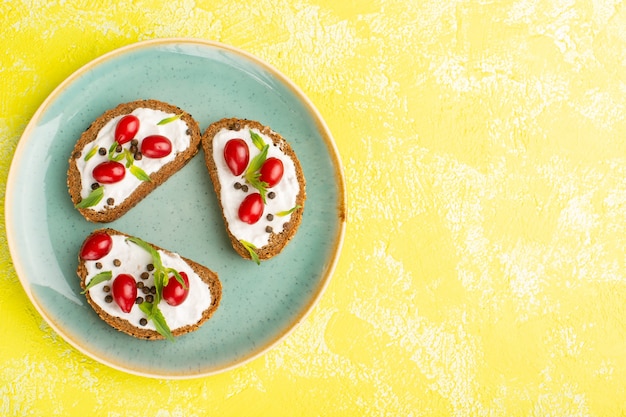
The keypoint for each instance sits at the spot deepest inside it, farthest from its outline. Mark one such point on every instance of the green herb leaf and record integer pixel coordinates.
(169, 119)
(288, 212)
(112, 148)
(92, 199)
(153, 313)
(139, 173)
(91, 153)
(129, 158)
(252, 173)
(101, 277)
(159, 271)
(251, 250)
(257, 140)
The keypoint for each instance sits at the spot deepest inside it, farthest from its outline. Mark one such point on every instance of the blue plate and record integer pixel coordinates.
(260, 304)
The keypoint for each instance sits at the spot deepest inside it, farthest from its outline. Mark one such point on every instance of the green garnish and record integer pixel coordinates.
(169, 119)
(253, 174)
(251, 250)
(101, 277)
(92, 199)
(288, 212)
(91, 153)
(129, 158)
(153, 313)
(161, 278)
(257, 140)
(139, 173)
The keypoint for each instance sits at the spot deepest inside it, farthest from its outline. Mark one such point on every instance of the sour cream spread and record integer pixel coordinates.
(133, 260)
(175, 131)
(284, 193)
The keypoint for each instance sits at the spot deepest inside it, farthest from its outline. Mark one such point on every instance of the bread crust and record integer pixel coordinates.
(277, 241)
(74, 181)
(209, 277)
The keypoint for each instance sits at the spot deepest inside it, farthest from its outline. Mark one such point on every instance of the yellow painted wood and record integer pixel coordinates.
(484, 266)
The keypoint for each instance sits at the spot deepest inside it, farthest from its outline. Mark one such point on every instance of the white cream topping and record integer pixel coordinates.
(134, 260)
(285, 191)
(175, 131)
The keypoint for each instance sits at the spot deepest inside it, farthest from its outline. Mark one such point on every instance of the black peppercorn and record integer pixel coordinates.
(102, 151)
(138, 300)
(106, 288)
(117, 262)
(244, 188)
(110, 201)
(149, 298)
(144, 275)
(137, 156)
(98, 265)
(150, 267)
(108, 299)
(269, 217)
(143, 321)
(271, 195)
(95, 185)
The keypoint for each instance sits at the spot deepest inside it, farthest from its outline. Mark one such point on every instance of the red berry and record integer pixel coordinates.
(236, 155)
(174, 293)
(126, 129)
(251, 208)
(271, 171)
(97, 246)
(156, 146)
(109, 172)
(124, 291)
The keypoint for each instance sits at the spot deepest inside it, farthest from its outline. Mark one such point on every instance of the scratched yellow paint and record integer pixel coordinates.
(484, 267)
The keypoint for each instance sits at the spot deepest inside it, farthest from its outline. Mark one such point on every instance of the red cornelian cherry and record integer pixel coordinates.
(251, 208)
(124, 291)
(97, 246)
(109, 172)
(271, 171)
(174, 293)
(237, 155)
(126, 129)
(156, 146)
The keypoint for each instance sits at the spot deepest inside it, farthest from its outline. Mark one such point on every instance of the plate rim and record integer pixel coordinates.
(333, 155)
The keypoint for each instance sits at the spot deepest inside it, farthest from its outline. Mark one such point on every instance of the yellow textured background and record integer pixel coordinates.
(484, 267)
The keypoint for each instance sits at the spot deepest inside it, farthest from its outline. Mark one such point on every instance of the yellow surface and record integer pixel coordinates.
(484, 266)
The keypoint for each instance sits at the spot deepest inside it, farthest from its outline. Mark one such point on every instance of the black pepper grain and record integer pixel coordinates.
(134, 142)
(110, 201)
(117, 262)
(150, 267)
(95, 185)
(237, 186)
(153, 290)
(118, 148)
(149, 298)
(140, 284)
(145, 290)
(137, 156)
(133, 149)
(108, 299)
(244, 188)
(102, 151)
(143, 321)
(144, 275)
(269, 217)
(269, 229)
(138, 300)
(271, 195)
(98, 265)
(106, 288)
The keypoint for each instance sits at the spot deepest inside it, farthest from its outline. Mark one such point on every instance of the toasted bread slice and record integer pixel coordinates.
(281, 212)
(95, 196)
(107, 254)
